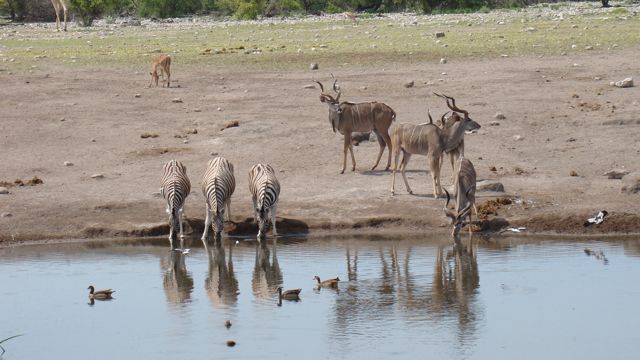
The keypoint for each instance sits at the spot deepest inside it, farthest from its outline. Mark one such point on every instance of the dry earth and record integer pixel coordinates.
(568, 117)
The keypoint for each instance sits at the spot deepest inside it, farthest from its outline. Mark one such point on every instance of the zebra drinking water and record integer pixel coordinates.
(264, 188)
(175, 189)
(218, 184)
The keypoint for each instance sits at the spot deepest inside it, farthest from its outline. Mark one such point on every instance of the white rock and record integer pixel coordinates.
(443, 61)
(518, 137)
(626, 83)
(176, 100)
(6, 214)
(313, 66)
(499, 116)
(97, 176)
(67, 163)
(4, 190)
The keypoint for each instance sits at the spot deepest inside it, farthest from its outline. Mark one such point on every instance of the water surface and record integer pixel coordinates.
(398, 298)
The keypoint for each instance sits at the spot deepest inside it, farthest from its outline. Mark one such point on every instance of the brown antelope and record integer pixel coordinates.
(465, 193)
(58, 6)
(447, 122)
(428, 139)
(348, 117)
(164, 63)
(350, 16)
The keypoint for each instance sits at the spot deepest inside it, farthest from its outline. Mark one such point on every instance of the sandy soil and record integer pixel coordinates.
(562, 107)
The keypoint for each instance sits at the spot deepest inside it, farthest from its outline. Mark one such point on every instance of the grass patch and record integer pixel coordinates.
(329, 41)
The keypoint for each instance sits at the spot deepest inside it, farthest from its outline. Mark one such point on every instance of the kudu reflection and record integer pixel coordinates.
(221, 283)
(267, 276)
(176, 280)
(455, 284)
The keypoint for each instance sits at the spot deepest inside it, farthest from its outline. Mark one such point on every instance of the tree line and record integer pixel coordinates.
(88, 10)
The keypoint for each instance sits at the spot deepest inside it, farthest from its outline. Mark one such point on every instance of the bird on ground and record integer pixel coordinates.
(598, 219)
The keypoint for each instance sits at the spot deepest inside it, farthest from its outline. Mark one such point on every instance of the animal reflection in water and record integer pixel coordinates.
(267, 276)
(177, 281)
(455, 284)
(221, 283)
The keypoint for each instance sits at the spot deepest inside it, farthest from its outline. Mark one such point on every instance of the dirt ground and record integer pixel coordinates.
(567, 116)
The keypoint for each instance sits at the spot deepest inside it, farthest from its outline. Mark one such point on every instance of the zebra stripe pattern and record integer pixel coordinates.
(218, 184)
(265, 189)
(175, 189)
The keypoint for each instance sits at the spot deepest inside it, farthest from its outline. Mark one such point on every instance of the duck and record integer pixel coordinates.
(327, 283)
(100, 294)
(289, 294)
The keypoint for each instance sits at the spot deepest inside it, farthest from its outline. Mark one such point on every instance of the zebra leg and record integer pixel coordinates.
(207, 223)
(255, 205)
(273, 219)
(405, 160)
(381, 142)
(229, 209)
(181, 220)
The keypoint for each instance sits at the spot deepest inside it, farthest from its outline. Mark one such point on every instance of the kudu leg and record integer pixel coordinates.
(353, 158)
(434, 165)
(382, 145)
(405, 160)
(387, 140)
(396, 155)
(347, 142)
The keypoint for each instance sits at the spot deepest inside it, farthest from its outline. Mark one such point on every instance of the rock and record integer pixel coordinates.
(6, 214)
(67, 163)
(628, 82)
(4, 190)
(231, 343)
(616, 173)
(499, 116)
(494, 123)
(631, 183)
(97, 176)
(588, 47)
(219, 109)
(230, 124)
(409, 84)
(443, 61)
(493, 168)
(309, 86)
(137, 95)
(488, 185)
(573, 173)
(192, 131)
(197, 110)
(148, 135)
(176, 100)
(518, 137)
(313, 66)
(439, 34)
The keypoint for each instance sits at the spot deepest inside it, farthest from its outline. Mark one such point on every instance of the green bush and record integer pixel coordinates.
(334, 9)
(282, 7)
(15, 9)
(168, 8)
(247, 11)
(88, 10)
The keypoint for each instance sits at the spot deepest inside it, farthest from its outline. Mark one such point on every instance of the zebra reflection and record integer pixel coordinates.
(221, 283)
(176, 280)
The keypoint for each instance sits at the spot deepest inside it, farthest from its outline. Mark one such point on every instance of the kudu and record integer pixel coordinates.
(348, 117)
(430, 140)
(465, 197)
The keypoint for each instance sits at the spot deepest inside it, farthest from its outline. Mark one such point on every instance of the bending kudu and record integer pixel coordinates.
(348, 117)
(428, 139)
(465, 194)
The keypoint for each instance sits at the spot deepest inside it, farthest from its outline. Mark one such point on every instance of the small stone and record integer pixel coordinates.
(616, 173)
(493, 168)
(192, 131)
(231, 343)
(176, 100)
(313, 66)
(443, 61)
(67, 163)
(518, 137)
(626, 83)
(6, 214)
(93, 140)
(230, 124)
(148, 135)
(409, 84)
(197, 110)
(588, 47)
(62, 119)
(488, 185)
(137, 95)
(499, 116)
(219, 109)
(97, 176)
(573, 173)
(309, 86)
(439, 34)
(4, 190)
(494, 123)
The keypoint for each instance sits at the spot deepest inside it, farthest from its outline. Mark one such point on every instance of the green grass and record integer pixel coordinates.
(329, 42)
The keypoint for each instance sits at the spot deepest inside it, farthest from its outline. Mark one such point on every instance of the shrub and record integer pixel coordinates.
(247, 11)
(88, 10)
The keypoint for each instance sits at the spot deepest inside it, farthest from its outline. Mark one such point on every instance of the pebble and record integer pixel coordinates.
(439, 34)
(313, 66)
(176, 100)
(518, 137)
(67, 163)
(97, 176)
(499, 116)
(231, 343)
(626, 83)
(6, 214)
(443, 61)
(4, 190)
(137, 95)
(409, 84)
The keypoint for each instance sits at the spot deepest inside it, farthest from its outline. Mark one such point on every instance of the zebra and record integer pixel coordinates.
(218, 184)
(175, 189)
(265, 189)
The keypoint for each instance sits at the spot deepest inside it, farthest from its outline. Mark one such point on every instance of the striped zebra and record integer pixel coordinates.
(218, 184)
(175, 189)
(264, 188)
